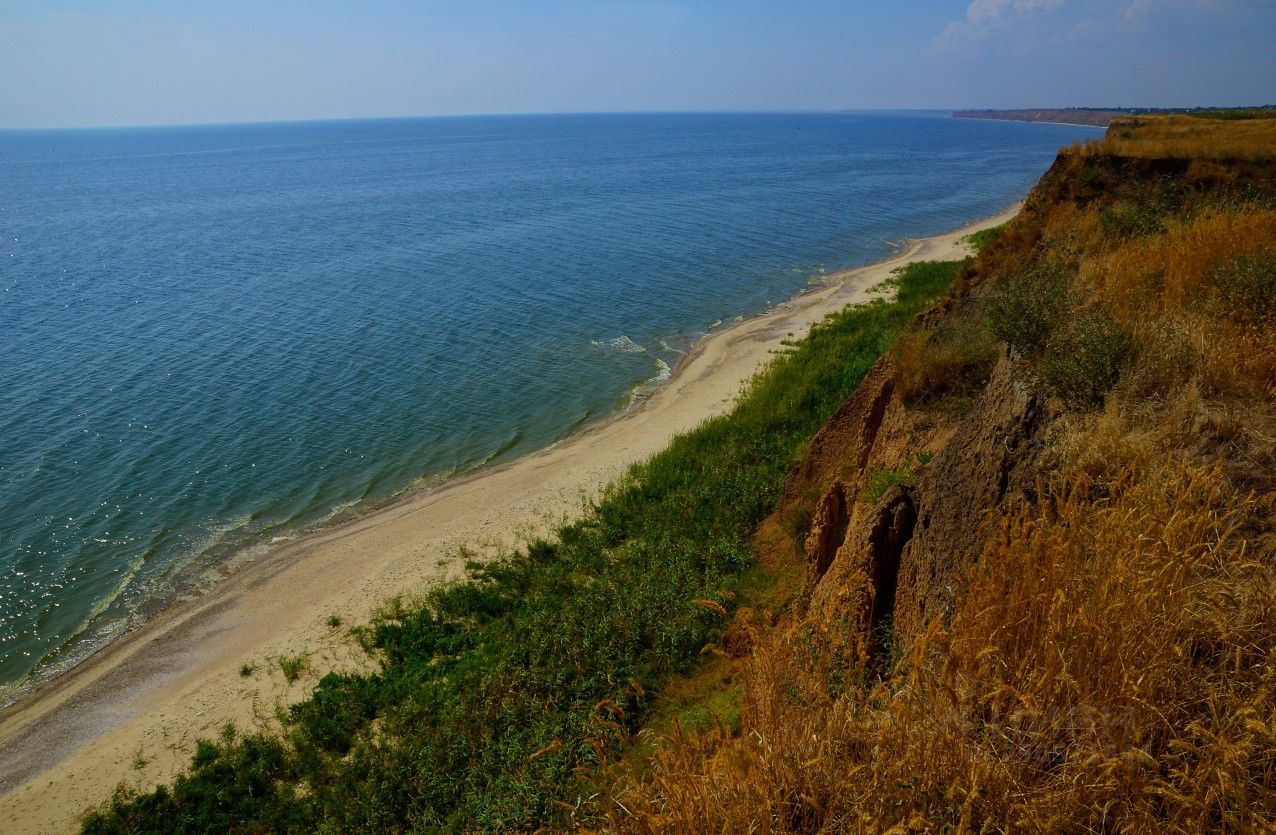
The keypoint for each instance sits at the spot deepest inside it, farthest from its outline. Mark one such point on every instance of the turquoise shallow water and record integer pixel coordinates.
(214, 337)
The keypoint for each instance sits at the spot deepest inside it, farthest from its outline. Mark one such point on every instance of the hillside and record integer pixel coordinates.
(996, 552)
(1039, 539)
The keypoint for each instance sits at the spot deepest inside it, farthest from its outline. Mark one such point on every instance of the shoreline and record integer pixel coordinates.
(1030, 122)
(132, 710)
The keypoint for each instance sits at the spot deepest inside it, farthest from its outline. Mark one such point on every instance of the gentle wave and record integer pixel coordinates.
(217, 339)
(620, 343)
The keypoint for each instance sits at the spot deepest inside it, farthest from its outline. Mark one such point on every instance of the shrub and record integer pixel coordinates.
(985, 238)
(1245, 287)
(1021, 310)
(1128, 220)
(230, 783)
(293, 666)
(954, 359)
(1085, 358)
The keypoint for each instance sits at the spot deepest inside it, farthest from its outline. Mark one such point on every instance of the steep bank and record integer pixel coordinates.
(1040, 538)
(144, 701)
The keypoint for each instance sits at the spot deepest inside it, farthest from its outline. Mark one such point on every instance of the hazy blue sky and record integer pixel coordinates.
(112, 62)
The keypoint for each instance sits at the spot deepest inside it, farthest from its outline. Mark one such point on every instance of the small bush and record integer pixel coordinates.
(1245, 287)
(331, 719)
(955, 359)
(879, 481)
(246, 669)
(229, 783)
(1085, 358)
(293, 666)
(1131, 220)
(1165, 358)
(1021, 310)
(800, 524)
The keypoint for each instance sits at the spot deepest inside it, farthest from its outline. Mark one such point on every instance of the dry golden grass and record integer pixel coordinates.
(1169, 270)
(1163, 289)
(1109, 667)
(1154, 137)
(1109, 664)
(950, 361)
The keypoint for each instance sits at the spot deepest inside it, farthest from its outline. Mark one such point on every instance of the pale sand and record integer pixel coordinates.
(151, 694)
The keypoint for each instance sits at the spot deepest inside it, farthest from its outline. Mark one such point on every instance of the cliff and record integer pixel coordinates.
(1096, 117)
(1101, 117)
(1040, 537)
(996, 554)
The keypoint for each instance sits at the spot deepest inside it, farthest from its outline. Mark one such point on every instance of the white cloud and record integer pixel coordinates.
(988, 17)
(991, 11)
(1028, 21)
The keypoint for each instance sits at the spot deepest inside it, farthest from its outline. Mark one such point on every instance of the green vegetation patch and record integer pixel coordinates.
(1244, 288)
(985, 238)
(1085, 358)
(496, 693)
(1021, 309)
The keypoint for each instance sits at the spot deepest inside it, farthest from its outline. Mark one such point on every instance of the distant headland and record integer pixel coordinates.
(1100, 116)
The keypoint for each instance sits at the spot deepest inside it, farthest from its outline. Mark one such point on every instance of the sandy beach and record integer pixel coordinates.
(133, 711)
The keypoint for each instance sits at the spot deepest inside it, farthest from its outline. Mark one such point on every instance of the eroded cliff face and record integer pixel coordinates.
(899, 495)
(1039, 541)
(892, 559)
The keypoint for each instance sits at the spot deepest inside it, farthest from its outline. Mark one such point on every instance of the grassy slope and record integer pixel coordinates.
(495, 693)
(1109, 665)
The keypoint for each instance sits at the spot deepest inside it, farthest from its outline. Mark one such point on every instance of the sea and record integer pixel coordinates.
(215, 338)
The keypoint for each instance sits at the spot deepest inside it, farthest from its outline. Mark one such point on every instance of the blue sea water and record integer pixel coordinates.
(214, 337)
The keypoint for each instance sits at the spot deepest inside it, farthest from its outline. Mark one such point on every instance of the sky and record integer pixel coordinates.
(131, 62)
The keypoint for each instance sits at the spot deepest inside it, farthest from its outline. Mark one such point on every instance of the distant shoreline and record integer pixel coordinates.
(1075, 118)
(1101, 117)
(1032, 122)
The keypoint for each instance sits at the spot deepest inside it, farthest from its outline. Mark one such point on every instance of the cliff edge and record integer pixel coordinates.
(1040, 537)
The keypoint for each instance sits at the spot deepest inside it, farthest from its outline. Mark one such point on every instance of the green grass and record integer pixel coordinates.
(879, 481)
(1021, 309)
(985, 238)
(1084, 358)
(562, 643)
(717, 707)
(293, 666)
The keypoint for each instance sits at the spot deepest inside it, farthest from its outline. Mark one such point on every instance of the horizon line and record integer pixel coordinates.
(634, 112)
(476, 115)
